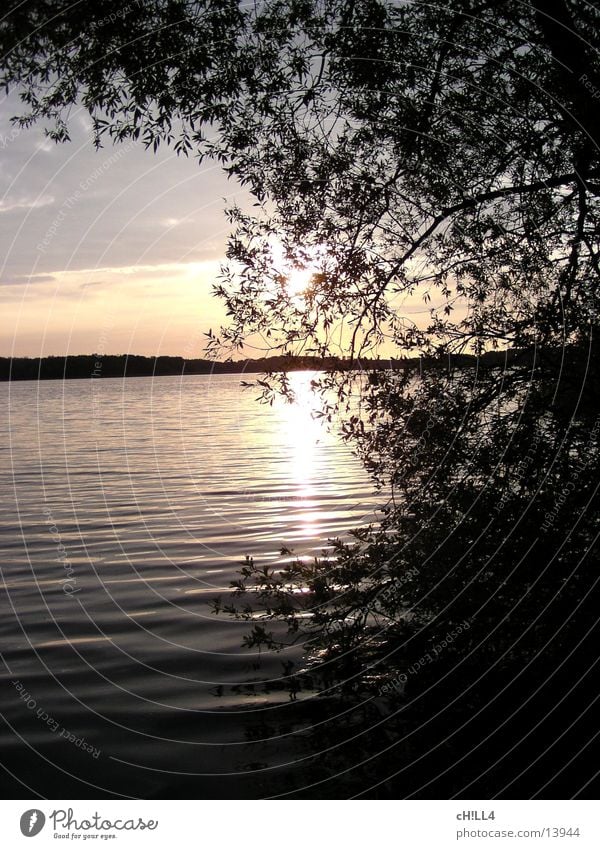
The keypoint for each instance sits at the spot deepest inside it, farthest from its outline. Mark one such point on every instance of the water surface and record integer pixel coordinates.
(126, 506)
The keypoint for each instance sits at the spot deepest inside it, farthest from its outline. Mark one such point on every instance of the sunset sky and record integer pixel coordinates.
(112, 250)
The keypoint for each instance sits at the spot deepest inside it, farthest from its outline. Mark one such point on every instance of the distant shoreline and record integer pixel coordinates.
(96, 366)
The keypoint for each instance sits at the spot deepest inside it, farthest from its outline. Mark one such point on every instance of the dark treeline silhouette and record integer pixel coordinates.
(82, 366)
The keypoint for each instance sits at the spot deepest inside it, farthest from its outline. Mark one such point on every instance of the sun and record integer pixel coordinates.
(296, 276)
(298, 280)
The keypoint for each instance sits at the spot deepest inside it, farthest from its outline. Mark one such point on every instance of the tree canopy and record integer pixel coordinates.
(445, 154)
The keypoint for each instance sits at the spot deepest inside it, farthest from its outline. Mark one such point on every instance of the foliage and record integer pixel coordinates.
(404, 151)
(492, 515)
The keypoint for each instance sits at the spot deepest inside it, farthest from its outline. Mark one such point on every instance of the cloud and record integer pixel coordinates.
(150, 309)
(10, 204)
(27, 278)
(92, 285)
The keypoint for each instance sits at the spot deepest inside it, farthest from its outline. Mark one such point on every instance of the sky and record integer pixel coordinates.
(110, 251)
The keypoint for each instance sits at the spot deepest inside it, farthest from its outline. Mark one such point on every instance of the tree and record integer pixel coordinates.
(403, 150)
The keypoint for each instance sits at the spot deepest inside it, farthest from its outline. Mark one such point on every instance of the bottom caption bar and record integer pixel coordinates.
(296, 824)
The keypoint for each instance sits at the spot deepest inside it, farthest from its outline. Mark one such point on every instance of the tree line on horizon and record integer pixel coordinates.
(93, 366)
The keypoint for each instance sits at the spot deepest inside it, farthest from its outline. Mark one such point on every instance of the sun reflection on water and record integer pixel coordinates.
(304, 436)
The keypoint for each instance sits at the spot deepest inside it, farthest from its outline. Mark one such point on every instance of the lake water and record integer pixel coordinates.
(126, 506)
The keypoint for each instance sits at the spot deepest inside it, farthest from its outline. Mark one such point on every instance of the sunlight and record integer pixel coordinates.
(298, 277)
(298, 280)
(302, 430)
(303, 434)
